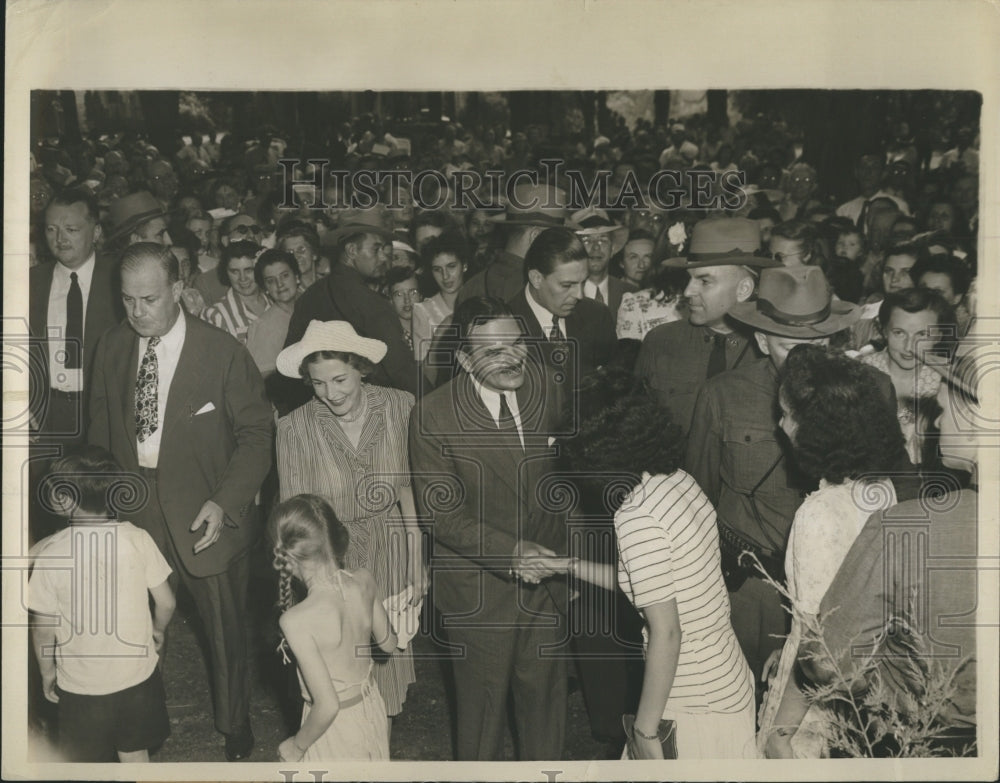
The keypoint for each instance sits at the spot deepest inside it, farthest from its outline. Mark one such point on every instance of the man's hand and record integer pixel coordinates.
(213, 517)
(529, 564)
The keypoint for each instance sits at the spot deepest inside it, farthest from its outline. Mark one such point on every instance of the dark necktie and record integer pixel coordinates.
(74, 324)
(146, 413)
(554, 334)
(717, 359)
(599, 297)
(863, 216)
(506, 423)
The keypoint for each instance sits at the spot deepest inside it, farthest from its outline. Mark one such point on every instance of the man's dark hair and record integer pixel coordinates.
(915, 300)
(274, 256)
(945, 264)
(476, 311)
(845, 426)
(88, 475)
(67, 197)
(135, 255)
(903, 249)
(553, 246)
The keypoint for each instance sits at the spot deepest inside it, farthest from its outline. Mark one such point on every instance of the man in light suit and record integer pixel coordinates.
(181, 404)
(483, 438)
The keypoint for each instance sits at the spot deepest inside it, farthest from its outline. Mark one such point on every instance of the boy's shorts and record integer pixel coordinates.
(95, 728)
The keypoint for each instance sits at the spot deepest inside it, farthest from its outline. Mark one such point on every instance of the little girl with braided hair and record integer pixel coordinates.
(330, 633)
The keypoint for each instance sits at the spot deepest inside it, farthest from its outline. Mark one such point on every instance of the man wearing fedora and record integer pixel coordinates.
(182, 405)
(363, 247)
(532, 209)
(137, 217)
(603, 238)
(678, 357)
(735, 454)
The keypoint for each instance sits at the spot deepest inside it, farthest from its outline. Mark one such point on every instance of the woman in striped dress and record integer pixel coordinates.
(349, 445)
(669, 568)
(244, 302)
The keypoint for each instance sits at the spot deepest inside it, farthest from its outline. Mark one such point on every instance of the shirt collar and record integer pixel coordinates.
(543, 316)
(173, 339)
(491, 399)
(84, 273)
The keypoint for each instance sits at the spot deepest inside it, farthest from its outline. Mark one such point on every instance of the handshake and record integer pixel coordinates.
(533, 563)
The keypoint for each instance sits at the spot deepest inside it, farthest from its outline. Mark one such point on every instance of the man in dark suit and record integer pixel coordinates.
(573, 335)
(71, 303)
(181, 404)
(480, 445)
(364, 249)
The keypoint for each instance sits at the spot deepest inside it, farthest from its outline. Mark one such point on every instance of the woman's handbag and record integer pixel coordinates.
(666, 733)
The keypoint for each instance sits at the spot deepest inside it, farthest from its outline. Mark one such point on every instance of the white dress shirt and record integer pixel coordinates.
(590, 290)
(491, 399)
(168, 352)
(544, 316)
(59, 377)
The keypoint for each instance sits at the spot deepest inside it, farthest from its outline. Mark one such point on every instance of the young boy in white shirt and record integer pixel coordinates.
(96, 641)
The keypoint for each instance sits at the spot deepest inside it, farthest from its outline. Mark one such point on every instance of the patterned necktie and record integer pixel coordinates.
(554, 334)
(599, 297)
(74, 324)
(717, 359)
(146, 384)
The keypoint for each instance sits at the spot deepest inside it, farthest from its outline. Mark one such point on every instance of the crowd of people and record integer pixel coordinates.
(738, 400)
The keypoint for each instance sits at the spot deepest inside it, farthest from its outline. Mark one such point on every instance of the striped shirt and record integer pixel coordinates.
(669, 549)
(231, 315)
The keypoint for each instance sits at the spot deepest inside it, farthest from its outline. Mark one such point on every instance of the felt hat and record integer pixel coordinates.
(593, 222)
(796, 302)
(328, 336)
(723, 242)
(357, 221)
(536, 205)
(129, 212)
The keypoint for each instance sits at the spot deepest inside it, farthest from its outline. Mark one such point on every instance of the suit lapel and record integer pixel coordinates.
(186, 377)
(127, 378)
(473, 417)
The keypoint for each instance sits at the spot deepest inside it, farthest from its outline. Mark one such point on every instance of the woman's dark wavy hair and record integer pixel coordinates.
(622, 429)
(846, 426)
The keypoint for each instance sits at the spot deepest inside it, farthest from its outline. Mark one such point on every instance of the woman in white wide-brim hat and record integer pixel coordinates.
(349, 444)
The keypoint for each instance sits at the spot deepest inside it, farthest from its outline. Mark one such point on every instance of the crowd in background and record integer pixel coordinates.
(706, 307)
